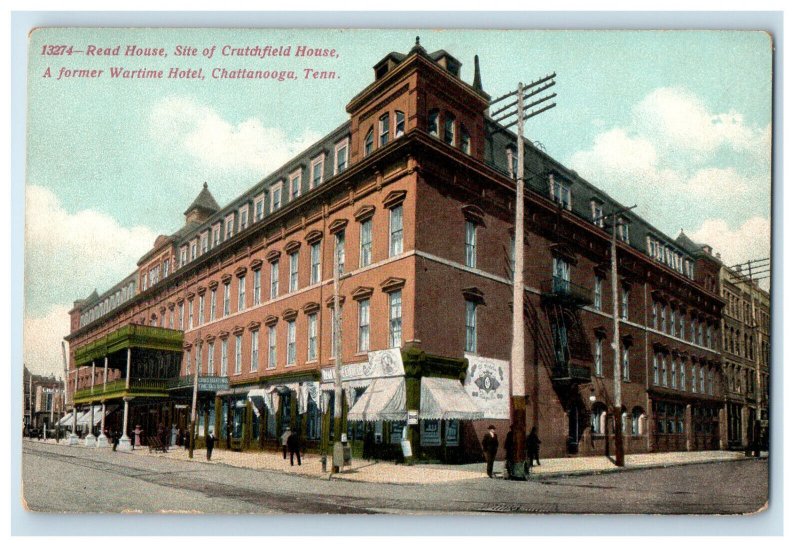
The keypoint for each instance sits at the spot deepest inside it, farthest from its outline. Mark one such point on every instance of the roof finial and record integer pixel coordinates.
(476, 81)
(205, 185)
(417, 41)
(417, 48)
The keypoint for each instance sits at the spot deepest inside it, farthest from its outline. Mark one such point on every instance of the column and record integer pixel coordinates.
(124, 440)
(73, 437)
(91, 440)
(102, 440)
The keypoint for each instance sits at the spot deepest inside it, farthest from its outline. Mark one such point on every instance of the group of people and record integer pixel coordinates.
(490, 444)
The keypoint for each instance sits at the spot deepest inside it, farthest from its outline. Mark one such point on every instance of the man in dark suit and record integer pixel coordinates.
(489, 445)
(293, 444)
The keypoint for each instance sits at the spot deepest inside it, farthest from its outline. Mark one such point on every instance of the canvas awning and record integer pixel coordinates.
(66, 420)
(446, 399)
(384, 399)
(258, 397)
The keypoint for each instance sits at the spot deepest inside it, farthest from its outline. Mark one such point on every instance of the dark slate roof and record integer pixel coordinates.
(204, 201)
(684, 241)
(539, 165)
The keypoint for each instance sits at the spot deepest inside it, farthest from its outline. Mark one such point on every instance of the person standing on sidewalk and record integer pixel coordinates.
(293, 443)
(489, 445)
(210, 441)
(284, 439)
(532, 445)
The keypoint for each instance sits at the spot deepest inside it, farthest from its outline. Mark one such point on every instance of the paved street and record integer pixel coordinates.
(59, 478)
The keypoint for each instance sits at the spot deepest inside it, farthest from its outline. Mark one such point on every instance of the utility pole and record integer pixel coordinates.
(518, 411)
(338, 449)
(194, 396)
(619, 448)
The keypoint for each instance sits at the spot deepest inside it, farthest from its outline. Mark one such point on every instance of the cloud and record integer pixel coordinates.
(69, 254)
(185, 126)
(749, 241)
(42, 337)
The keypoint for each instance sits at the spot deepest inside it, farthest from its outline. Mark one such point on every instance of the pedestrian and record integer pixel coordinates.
(508, 445)
(293, 444)
(284, 438)
(210, 441)
(489, 445)
(115, 441)
(532, 446)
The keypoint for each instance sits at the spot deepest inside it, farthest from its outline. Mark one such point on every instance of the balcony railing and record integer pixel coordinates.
(566, 291)
(141, 386)
(571, 373)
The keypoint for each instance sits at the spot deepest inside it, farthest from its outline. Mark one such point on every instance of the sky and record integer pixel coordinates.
(676, 122)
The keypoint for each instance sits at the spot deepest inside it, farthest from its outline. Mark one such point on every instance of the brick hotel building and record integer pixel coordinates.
(412, 197)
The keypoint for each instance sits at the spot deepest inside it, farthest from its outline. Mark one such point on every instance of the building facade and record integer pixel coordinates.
(43, 397)
(412, 199)
(745, 358)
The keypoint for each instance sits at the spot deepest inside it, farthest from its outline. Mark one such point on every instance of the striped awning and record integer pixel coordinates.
(446, 399)
(384, 399)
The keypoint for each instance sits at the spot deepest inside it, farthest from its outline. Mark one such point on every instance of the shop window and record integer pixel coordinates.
(598, 419)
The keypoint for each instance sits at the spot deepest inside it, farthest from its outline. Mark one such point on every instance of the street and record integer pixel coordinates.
(59, 478)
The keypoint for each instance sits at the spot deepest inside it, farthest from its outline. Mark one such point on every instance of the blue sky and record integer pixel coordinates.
(676, 122)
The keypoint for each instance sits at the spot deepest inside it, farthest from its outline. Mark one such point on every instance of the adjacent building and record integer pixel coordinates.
(43, 397)
(412, 198)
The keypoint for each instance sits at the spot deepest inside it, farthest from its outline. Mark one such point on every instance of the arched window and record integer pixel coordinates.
(598, 419)
(383, 130)
(369, 142)
(637, 421)
(433, 122)
(450, 129)
(399, 124)
(465, 143)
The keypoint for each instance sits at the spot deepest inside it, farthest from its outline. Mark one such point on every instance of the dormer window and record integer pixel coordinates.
(433, 122)
(193, 248)
(465, 143)
(383, 130)
(341, 152)
(369, 142)
(229, 226)
(317, 171)
(275, 196)
(258, 208)
(560, 192)
(399, 124)
(217, 234)
(243, 217)
(597, 213)
(294, 184)
(204, 242)
(450, 129)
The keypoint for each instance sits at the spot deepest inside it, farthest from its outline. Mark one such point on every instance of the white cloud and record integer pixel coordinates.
(197, 130)
(69, 254)
(42, 337)
(748, 241)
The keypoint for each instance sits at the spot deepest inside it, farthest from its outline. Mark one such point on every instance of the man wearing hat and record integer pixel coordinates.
(489, 445)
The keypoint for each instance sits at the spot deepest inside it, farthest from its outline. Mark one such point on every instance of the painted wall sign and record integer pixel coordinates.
(380, 364)
(487, 382)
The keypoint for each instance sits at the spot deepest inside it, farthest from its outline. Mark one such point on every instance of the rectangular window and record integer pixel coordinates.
(664, 381)
(315, 264)
(674, 375)
(395, 319)
(229, 226)
(312, 337)
(258, 208)
(241, 301)
(253, 351)
(217, 234)
(201, 309)
(193, 252)
(226, 300)
(512, 250)
(396, 230)
(399, 124)
(180, 316)
(623, 233)
(470, 251)
(210, 360)
(275, 196)
(664, 318)
(449, 129)
(223, 357)
(561, 193)
(204, 242)
(672, 322)
(273, 279)
(597, 213)
(598, 292)
(339, 250)
(294, 184)
(272, 358)
(198, 359)
(363, 325)
(291, 343)
(702, 380)
(341, 152)
(471, 345)
(655, 370)
(683, 376)
(626, 364)
(598, 356)
(213, 311)
(172, 318)
(165, 268)
(243, 217)
(256, 287)
(237, 361)
(317, 171)
(383, 130)
(366, 243)
(682, 323)
(625, 299)
(293, 261)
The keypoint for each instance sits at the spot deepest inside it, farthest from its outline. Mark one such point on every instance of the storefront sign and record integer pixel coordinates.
(451, 433)
(487, 382)
(212, 383)
(396, 434)
(381, 364)
(431, 434)
(413, 417)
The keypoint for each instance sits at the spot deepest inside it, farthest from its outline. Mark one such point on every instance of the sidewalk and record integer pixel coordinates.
(390, 473)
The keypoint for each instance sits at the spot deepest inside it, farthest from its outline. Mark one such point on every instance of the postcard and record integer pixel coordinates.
(397, 271)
